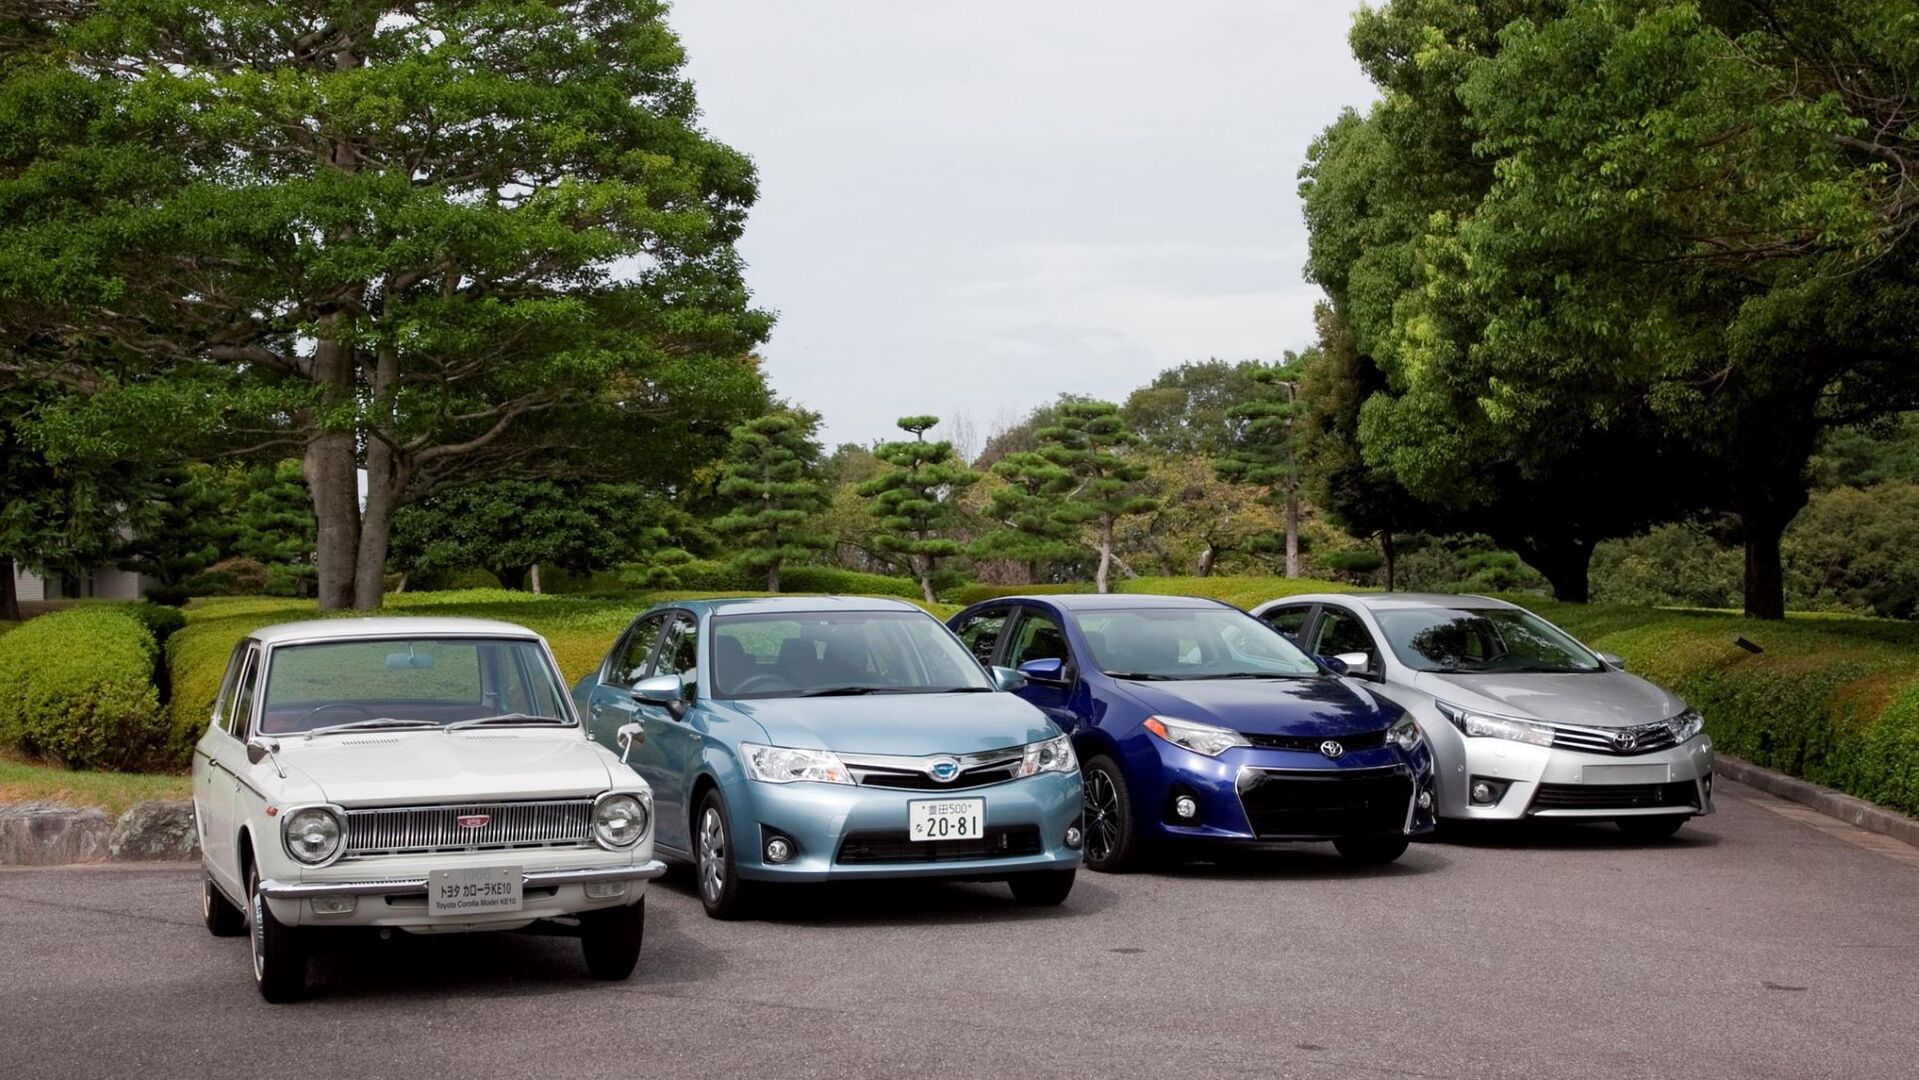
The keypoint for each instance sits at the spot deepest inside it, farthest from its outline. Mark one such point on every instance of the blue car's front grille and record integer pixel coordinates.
(895, 846)
(916, 781)
(1368, 740)
(1325, 804)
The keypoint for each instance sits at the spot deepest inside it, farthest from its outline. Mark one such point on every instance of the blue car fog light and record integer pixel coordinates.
(1074, 837)
(778, 850)
(1185, 807)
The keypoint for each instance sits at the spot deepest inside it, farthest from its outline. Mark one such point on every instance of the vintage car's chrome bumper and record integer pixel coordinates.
(307, 890)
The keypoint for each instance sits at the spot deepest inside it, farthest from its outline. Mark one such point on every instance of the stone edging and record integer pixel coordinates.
(1833, 804)
(38, 834)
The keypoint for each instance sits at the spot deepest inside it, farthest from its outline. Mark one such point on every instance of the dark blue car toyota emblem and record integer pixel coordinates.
(1332, 748)
(943, 770)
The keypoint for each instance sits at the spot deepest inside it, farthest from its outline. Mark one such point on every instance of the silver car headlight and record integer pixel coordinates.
(1195, 736)
(313, 835)
(1403, 734)
(621, 818)
(1486, 726)
(1051, 755)
(1686, 725)
(786, 765)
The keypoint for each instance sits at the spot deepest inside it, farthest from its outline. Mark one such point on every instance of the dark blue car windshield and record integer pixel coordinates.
(1189, 643)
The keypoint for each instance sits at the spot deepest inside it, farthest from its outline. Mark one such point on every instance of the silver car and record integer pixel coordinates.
(1523, 720)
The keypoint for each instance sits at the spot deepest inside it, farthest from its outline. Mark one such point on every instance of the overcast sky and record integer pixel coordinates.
(969, 206)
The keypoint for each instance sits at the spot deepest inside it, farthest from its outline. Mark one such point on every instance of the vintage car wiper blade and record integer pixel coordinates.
(511, 718)
(376, 723)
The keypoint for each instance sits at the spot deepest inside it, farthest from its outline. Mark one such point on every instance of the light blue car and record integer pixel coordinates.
(810, 739)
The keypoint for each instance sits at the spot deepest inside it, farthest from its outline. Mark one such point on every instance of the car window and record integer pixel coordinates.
(1341, 632)
(635, 652)
(679, 652)
(1038, 638)
(223, 705)
(244, 694)
(981, 630)
(1288, 620)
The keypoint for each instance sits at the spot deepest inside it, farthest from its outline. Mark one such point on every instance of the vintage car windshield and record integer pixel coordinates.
(1482, 641)
(425, 681)
(1190, 643)
(854, 652)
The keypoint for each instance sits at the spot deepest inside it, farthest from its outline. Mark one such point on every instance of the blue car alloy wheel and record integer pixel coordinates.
(1199, 727)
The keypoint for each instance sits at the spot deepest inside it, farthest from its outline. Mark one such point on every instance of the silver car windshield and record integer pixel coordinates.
(1190, 643)
(1482, 641)
(398, 683)
(839, 653)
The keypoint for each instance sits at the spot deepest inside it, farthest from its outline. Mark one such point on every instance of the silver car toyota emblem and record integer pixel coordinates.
(1624, 740)
(1332, 748)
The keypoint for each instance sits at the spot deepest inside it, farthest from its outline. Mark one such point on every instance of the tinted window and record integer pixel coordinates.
(628, 664)
(855, 652)
(1341, 632)
(1189, 643)
(1040, 638)
(1506, 640)
(981, 630)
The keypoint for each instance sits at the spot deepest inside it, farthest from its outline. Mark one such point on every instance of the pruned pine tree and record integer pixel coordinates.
(772, 481)
(1092, 442)
(914, 499)
(1264, 446)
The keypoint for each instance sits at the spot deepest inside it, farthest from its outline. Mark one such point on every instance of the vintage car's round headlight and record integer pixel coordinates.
(313, 835)
(619, 821)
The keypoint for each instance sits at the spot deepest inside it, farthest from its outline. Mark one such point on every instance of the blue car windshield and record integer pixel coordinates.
(1190, 643)
(820, 654)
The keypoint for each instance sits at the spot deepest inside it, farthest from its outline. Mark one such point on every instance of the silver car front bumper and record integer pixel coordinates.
(1555, 782)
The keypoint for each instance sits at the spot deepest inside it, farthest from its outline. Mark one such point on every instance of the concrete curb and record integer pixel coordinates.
(39, 834)
(1833, 804)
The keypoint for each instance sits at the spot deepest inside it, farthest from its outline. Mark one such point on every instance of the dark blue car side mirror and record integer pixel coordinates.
(1337, 665)
(1052, 669)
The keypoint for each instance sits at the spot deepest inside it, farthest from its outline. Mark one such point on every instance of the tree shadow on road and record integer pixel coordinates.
(1562, 835)
(901, 901)
(1297, 862)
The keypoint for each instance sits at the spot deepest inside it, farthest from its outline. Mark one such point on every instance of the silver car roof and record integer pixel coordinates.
(1390, 601)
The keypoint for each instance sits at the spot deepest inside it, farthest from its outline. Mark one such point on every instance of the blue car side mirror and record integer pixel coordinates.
(1005, 678)
(1337, 665)
(1051, 669)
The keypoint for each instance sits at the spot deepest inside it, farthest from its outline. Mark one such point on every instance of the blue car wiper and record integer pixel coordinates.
(1265, 675)
(1145, 676)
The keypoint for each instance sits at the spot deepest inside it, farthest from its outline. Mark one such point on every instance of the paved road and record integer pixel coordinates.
(1764, 941)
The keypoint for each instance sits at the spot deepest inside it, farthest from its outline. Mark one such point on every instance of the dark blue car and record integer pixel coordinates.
(1196, 723)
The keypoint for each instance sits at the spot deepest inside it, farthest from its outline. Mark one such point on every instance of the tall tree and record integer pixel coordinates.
(1188, 409)
(1024, 504)
(418, 241)
(914, 499)
(1263, 444)
(1092, 442)
(773, 482)
(508, 527)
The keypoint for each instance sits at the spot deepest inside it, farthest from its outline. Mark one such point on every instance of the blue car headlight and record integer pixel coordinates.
(1050, 755)
(1195, 736)
(1686, 725)
(787, 765)
(1404, 734)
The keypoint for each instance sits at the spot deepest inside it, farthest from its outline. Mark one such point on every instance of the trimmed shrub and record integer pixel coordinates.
(77, 688)
(831, 579)
(160, 620)
(973, 594)
(232, 577)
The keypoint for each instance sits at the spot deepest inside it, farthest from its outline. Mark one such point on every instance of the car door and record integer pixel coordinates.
(1037, 635)
(674, 737)
(212, 794)
(611, 703)
(1339, 631)
(229, 796)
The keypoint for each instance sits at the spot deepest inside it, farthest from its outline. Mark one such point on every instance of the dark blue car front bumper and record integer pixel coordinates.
(1257, 795)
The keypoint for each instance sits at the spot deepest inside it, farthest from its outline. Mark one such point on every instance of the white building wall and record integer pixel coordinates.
(28, 586)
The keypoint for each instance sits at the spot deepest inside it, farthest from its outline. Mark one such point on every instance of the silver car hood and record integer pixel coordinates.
(1593, 699)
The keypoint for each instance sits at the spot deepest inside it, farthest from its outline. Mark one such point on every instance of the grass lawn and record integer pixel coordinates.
(21, 782)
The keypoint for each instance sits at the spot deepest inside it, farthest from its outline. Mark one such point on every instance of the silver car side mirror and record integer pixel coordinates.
(1357, 663)
(1612, 660)
(629, 736)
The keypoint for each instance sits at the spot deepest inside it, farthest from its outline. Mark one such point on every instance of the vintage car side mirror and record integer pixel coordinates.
(1052, 670)
(258, 751)
(629, 736)
(1005, 678)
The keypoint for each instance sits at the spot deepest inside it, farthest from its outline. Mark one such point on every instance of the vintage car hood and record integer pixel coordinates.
(906, 724)
(1310, 707)
(1592, 699)
(412, 767)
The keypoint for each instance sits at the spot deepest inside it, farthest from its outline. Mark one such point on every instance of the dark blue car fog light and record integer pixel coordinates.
(1185, 808)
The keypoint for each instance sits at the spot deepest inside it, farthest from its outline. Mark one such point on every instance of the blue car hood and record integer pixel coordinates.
(910, 724)
(1312, 707)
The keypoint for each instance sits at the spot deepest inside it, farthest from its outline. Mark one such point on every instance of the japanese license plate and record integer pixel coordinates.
(479, 891)
(946, 819)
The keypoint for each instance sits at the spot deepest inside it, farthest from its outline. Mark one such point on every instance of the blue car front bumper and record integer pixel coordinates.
(1253, 795)
(844, 832)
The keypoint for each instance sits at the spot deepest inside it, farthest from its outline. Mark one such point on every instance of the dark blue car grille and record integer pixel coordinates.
(1366, 740)
(895, 846)
(1324, 805)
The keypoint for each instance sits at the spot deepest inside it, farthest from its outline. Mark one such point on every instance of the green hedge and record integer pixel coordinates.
(78, 688)
(973, 594)
(828, 579)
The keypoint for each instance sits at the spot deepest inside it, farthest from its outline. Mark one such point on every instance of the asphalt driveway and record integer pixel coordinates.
(1764, 941)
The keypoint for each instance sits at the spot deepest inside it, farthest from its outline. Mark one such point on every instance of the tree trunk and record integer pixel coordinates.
(1765, 572)
(1389, 555)
(1292, 529)
(9, 598)
(332, 476)
(511, 577)
(773, 576)
(1208, 555)
(923, 565)
(386, 479)
(533, 578)
(1101, 579)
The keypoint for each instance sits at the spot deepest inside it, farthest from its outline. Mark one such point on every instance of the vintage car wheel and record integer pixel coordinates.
(1112, 844)
(722, 892)
(1650, 828)
(1041, 888)
(610, 940)
(279, 955)
(1371, 850)
(221, 917)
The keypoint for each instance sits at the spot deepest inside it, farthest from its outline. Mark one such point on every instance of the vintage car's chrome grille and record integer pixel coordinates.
(421, 829)
(1640, 739)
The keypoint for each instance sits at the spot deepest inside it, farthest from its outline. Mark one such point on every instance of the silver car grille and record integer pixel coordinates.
(1639, 739)
(415, 830)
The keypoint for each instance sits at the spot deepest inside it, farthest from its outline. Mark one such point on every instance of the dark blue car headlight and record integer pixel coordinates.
(1404, 734)
(1195, 736)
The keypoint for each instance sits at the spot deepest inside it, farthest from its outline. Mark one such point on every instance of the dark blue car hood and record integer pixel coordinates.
(1316, 707)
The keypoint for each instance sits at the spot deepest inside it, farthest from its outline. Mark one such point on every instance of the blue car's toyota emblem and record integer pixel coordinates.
(1332, 748)
(943, 770)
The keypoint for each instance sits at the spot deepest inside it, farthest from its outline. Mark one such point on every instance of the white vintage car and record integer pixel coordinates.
(425, 774)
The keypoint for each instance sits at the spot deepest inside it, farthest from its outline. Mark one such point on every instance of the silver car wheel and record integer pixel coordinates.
(712, 855)
(1102, 815)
